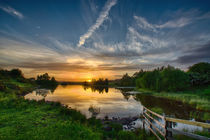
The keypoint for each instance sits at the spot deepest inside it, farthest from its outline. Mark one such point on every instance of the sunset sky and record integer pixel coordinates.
(77, 40)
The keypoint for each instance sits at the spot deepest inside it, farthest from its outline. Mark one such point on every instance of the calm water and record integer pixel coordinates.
(113, 102)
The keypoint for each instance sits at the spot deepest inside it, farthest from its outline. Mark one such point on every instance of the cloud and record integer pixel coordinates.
(143, 23)
(182, 19)
(103, 15)
(177, 23)
(12, 11)
(77, 67)
(149, 43)
(198, 54)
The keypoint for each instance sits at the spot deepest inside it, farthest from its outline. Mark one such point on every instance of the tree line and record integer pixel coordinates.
(44, 80)
(99, 82)
(169, 78)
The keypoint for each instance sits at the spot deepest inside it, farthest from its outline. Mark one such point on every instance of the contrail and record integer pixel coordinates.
(12, 11)
(103, 15)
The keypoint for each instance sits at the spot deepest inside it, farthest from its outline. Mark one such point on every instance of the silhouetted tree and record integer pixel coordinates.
(15, 73)
(45, 81)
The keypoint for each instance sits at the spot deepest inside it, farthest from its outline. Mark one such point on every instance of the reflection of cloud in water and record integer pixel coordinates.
(111, 103)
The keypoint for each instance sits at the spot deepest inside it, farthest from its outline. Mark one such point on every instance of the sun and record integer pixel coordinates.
(89, 80)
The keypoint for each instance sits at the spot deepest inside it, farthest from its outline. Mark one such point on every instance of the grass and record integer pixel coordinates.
(200, 98)
(157, 110)
(37, 120)
(22, 119)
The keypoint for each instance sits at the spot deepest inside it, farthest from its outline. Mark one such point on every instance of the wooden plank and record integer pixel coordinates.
(155, 120)
(154, 133)
(154, 126)
(188, 134)
(154, 113)
(204, 125)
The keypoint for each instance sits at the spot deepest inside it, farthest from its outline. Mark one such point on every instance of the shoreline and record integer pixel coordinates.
(201, 103)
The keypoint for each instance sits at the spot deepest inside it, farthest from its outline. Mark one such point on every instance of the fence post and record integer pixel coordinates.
(168, 134)
(143, 122)
(143, 118)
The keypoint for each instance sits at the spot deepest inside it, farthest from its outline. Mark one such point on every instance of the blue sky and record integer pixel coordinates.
(84, 39)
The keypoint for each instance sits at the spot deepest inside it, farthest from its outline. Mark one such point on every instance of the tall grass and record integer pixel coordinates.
(199, 98)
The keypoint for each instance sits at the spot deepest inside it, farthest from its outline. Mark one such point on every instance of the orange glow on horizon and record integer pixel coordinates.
(89, 80)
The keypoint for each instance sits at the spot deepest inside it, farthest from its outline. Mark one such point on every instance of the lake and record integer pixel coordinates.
(114, 102)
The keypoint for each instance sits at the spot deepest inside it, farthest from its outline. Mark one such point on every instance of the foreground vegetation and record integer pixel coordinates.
(28, 119)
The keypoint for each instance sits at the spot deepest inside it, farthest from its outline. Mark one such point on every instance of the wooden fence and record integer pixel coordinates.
(164, 129)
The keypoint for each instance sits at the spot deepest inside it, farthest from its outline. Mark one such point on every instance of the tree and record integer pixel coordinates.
(174, 79)
(164, 79)
(126, 80)
(201, 68)
(199, 74)
(15, 73)
(46, 81)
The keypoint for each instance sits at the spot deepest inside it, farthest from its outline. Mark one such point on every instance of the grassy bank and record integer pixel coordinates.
(24, 119)
(28, 119)
(200, 98)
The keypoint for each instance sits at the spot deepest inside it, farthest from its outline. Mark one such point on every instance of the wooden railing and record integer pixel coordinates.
(164, 130)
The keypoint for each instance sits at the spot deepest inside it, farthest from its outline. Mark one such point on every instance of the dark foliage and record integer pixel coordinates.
(127, 81)
(200, 74)
(16, 73)
(46, 81)
(201, 68)
(169, 78)
(164, 79)
(100, 81)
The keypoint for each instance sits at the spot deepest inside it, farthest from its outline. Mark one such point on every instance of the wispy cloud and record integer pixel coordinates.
(103, 15)
(12, 11)
(184, 19)
(143, 23)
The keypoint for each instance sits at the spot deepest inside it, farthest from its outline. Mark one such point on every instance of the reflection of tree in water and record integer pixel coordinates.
(171, 108)
(44, 92)
(100, 89)
(124, 92)
(94, 110)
